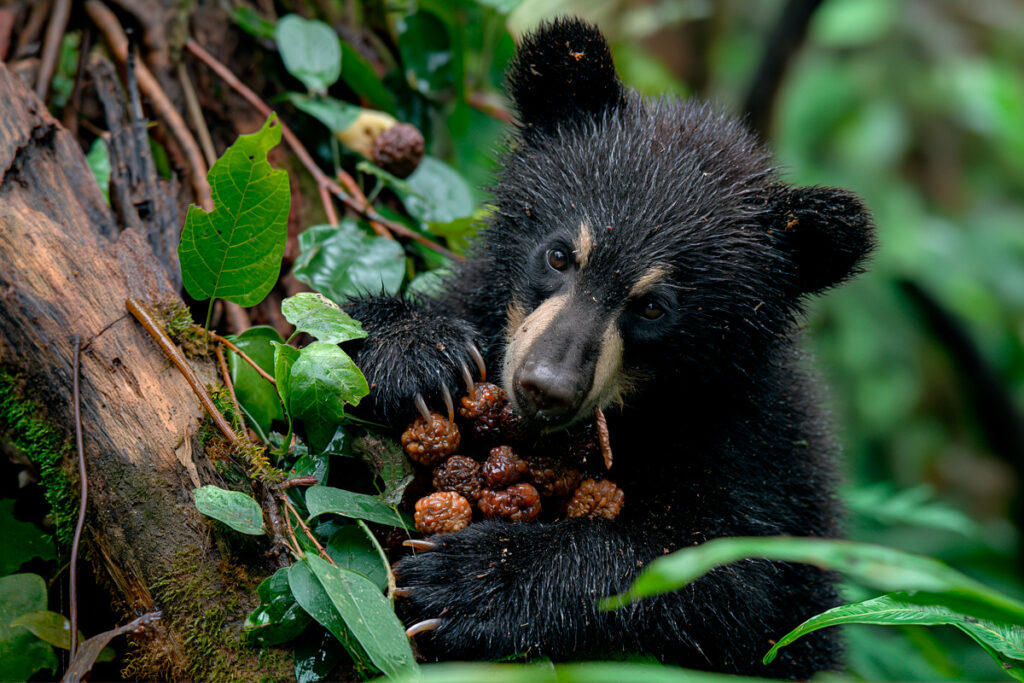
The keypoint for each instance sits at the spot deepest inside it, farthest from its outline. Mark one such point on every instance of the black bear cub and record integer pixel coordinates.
(644, 257)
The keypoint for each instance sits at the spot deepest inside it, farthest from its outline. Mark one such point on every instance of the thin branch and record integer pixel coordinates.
(195, 113)
(273, 513)
(294, 545)
(83, 495)
(111, 29)
(141, 314)
(51, 47)
(298, 481)
(304, 157)
(305, 529)
(489, 105)
(227, 381)
(241, 354)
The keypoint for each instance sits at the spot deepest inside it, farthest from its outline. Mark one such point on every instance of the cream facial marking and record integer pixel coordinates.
(521, 336)
(608, 381)
(647, 281)
(582, 245)
(515, 316)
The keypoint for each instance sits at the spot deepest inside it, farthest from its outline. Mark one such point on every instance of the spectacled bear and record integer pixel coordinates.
(643, 256)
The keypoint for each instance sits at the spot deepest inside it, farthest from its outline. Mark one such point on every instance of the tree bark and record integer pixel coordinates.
(66, 268)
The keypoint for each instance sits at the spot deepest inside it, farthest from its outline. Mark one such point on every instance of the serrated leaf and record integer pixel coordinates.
(368, 615)
(21, 652)
(437, 193)
(327, 499)
(342, 261)
(309, 50)
(279, 618)
(257, 396)
(351, 549)
(321, 318)
(22, 540)
(338, 116)
(234, 252)
(884, 568)
(313, 598)
(322, 381)
(237, 510)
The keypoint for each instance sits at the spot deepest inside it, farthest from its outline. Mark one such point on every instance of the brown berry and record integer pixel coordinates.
(482, 408)
(512, 428)
(429, 443)
(442, 513)
(503, 468)
(460, 474)
(552, 477)
(596, 498)
(398, 150)
(517, 503)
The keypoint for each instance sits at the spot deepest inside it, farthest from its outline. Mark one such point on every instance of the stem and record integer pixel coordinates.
(383, 558)
(241, 354)
(227, 383)
(83, 497)
(305, 529)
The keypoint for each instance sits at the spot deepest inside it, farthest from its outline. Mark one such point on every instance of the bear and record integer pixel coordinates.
(642, 256)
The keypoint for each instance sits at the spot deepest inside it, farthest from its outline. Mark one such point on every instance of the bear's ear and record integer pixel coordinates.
(563, 72)
(826, 232)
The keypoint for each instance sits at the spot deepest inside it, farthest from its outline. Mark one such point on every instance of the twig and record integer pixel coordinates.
(195, 113)
(51, 47)
(273, 513)
(322, 179)
(108, 24)
(357, 193)
(83, 496)
(227, 381)
(603, 437)
(241, 354)
(298, 481)
(74, 106)
(141, 314)
(294, 545)
(30, 30)
(490, 106)
(305, 529)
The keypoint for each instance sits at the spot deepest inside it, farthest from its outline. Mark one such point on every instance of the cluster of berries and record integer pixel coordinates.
(502, 484)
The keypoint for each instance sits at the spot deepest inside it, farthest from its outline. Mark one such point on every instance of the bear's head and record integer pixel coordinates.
(646, 241)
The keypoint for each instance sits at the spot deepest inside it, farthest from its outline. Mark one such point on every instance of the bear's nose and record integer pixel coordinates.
(546, 392)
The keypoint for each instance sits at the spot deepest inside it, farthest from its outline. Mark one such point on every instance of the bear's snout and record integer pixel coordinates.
(547, 393)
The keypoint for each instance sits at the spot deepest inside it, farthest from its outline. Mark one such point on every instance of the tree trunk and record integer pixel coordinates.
(66, 269)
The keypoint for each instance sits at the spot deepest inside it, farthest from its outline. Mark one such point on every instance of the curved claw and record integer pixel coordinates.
(467, 376)
(421, 406)
(448, 402)
(478, 358)
(421, 626)
(419, 544)
(402, 592)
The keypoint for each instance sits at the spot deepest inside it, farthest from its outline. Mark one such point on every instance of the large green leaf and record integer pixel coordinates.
(279, 618)
(55, 629)
(320, 318)
(437, 193)
(309, 50)
(427, 58)
(234, 252)
(21, 652)
(257, 397)
(237, 510)
(342, 261)
(351, 549)
(22, 540)
(338, 116)
(581, 672)
(893, 610)
(368, 615)
(322, 381)
(884, 568)
(324, 499)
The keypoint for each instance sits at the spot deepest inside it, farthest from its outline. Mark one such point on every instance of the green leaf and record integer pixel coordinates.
(582, 672)
(351, 549)
(437, 193)
(284, 357)
(503, 6)
(368, 615)
(252, 22)
(425, 46)
(326, 499)
(310, 594)
(338, 116)
(316, 656)
(914, 506)
(386, 459)
(359, 75)
(344, 261)
(55, 629)
(319, 317)
(98, 159)
(311, 465)
(429, 284)
(257, 396)
(279, 618)
(237, 510)
(309, 50)
(322, 380)
(234, 252)
(22, 540)
(879, 567)
(21, 652)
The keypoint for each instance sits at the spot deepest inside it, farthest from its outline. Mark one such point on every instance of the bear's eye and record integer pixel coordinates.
(651, 311)
(558, 259)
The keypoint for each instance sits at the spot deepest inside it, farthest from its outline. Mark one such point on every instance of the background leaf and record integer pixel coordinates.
(338, 116)
(234, 252)
(22, 540)
(323, 499)
(237, 510)
(257, 397)
(279, 618)
(351, 549)
(309, 50)
(21, 652)
(323, 379)
(321, 318)
(437, 193)
(344, 261)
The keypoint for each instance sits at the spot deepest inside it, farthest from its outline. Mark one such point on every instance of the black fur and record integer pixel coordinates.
(722, 434)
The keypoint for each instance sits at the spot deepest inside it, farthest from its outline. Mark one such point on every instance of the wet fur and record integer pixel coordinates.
(721, 432)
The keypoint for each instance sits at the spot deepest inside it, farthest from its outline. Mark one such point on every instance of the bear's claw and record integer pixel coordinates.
(421, 626)
(478, 358)
(420, 544)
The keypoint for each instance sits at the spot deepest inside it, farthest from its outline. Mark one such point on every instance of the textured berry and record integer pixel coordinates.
(517, 503)
(398, 150)
(461, 475)
(442, 513)
(482, 408)
(596, 498)
(512, 428)
(552, 477)
(504, 468)
(429, 443)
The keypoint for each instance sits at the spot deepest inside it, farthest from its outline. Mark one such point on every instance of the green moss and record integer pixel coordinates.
(21, 422)
(173, 315)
